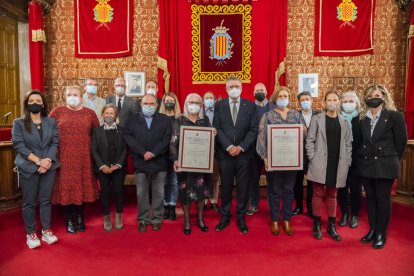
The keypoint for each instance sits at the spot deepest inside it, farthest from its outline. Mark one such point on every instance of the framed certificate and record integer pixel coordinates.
(196, 146)
(285, 147)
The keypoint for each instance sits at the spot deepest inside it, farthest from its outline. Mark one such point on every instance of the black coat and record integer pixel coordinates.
(156, 140)
(379, 156)
(100, 152)
(243, 134)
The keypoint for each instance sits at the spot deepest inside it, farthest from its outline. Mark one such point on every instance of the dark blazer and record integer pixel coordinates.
(156, 139)
(243, 134)
(25, 143)
(129, 108)
(379, 156)
(100, 152)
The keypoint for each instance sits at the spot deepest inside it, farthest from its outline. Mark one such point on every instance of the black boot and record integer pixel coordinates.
(344, 220)
(316, 231)
(80, 222)
(166, 211)
(353, 222)
(379, 241)
(187, 226)
(369, 238)
(173, 215)
(200, 216)
(70, 223)
(332, 229)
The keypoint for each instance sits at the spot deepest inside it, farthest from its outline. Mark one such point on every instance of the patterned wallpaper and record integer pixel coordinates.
(386, 66)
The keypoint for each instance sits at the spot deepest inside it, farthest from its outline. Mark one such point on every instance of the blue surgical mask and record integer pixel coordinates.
(148, 110)
(209, 103)
(349, 107)
(306, 105)
(282, 103)
(91, 89)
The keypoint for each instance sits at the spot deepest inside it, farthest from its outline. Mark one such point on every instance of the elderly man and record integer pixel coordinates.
(151, 88)
(263, 105)
(236, 122)
(125, 105)
(148, 136)
(90, 100)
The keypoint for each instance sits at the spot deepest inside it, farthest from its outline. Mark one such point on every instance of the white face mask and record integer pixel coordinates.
(152, 91)
(119, 90)
(72, 101)
(332, 106)
(193, 108)
(234, 93)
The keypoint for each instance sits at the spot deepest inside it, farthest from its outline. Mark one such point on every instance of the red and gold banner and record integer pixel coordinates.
(409, 93)
(344, 27)
(36, 39)
(103, 28)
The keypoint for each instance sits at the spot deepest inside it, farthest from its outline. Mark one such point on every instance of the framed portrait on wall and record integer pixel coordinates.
(135, 83)
(309, 82)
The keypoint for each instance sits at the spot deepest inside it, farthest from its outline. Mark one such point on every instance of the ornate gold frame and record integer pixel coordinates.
(199, 77)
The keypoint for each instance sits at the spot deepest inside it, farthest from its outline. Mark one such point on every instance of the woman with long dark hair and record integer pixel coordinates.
(35, 139)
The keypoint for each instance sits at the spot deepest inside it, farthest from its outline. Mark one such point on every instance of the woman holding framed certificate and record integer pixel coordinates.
(281, 182)
(192, 186)
(328, 146)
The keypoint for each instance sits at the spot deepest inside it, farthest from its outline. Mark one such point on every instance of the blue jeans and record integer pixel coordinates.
(171, 186)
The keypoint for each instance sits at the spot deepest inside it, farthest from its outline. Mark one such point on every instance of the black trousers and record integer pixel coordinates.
(113, 182)
(350, 196)
(298, 192)
(254, 182)
(231, 169)
(378, 193)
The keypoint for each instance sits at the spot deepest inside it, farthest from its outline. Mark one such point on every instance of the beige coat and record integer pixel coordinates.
(98, 103)
(317, 151)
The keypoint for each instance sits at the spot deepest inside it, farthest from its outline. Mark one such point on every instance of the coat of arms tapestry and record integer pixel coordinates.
(344, 27)
(103, 28)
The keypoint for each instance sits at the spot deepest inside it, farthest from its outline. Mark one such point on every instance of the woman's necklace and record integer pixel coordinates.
(38, 125)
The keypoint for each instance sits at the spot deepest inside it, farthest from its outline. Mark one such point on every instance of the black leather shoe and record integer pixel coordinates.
(215, 207)
(316, 230)
(70, 226)
(297, 211)
(379, 241)
(187, 231)
(353, 222)
(332, 229)
(173, 215)
(203, 227)
(242, 226)
(344, 220)
(166, 212)
(368, 238)
(222, 224)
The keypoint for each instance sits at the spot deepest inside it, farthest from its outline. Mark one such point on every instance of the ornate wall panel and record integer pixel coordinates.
(386, 66)
(62, 68)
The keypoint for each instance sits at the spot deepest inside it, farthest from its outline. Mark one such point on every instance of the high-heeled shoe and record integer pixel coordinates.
(203, 227)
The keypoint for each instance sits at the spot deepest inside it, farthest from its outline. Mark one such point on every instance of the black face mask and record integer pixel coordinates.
(169, 106)
(35, 108)
(260, 96)
(374, 102)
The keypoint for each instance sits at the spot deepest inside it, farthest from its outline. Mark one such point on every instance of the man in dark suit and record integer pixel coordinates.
(263, 105)
(148, 136)
(151, 87)
(125, 105)
(306, 112)
(236, 122)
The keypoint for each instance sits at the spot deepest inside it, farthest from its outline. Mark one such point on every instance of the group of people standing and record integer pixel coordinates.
(349, 144)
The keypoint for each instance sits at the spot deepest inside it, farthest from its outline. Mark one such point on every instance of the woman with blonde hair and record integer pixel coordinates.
(328, 145)
(383, 139)
(281, 184)
(349, 197)
(171, 108)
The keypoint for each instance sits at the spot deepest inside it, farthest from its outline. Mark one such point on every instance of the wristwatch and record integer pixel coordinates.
(37, 162)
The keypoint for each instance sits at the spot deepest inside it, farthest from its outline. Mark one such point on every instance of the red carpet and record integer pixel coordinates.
(170, 252)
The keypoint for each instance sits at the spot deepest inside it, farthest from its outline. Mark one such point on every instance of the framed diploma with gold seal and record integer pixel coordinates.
(196, 149)
(285, 147)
